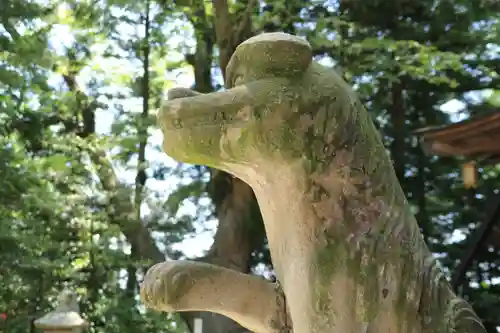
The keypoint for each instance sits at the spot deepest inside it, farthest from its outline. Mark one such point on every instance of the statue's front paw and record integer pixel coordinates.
(164, 284)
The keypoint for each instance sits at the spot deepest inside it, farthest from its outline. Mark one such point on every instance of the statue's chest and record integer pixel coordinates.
(290, 221)
(290, 228)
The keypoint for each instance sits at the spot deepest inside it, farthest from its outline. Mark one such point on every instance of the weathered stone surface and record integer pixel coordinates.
(197, 286)
(344, 243)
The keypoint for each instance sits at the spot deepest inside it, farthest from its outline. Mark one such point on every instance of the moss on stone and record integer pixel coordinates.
(291, 111)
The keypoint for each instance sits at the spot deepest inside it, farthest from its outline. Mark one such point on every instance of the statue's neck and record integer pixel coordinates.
(354, 189)
(319, 225)
(356, 192)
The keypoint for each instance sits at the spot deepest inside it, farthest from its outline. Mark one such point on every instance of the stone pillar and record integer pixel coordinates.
(65, 318)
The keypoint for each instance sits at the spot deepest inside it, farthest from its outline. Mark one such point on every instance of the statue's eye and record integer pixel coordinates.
(237, 80)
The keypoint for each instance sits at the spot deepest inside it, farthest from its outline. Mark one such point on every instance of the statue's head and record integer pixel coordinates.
(274, 92)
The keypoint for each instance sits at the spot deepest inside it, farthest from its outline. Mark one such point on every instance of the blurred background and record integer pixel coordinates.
(88, 201)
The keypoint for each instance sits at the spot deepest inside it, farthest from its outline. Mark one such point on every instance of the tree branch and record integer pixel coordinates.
(181, 286)
(246, 19)
(201, 60)
(224, 33)
(123, 212)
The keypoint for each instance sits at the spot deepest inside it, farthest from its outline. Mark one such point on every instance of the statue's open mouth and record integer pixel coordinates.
(187, 116)
(237, 106)
(186, 108)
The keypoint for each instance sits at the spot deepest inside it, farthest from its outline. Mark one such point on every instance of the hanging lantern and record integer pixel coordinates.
(469, 174)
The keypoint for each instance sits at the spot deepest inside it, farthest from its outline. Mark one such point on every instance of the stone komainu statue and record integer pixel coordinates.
(345, 246)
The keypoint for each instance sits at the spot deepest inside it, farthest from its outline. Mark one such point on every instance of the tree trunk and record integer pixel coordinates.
(238, 232)
(344, 243)
(233, 242)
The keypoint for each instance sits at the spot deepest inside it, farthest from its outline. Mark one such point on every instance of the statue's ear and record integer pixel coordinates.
(277, 54)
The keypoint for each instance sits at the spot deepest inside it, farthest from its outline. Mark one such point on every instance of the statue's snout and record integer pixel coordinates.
(176, 93)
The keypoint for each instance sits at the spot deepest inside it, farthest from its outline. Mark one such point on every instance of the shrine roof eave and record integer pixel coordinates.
(475, 138)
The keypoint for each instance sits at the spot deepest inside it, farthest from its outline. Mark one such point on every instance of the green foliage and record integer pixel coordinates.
(76, 105)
